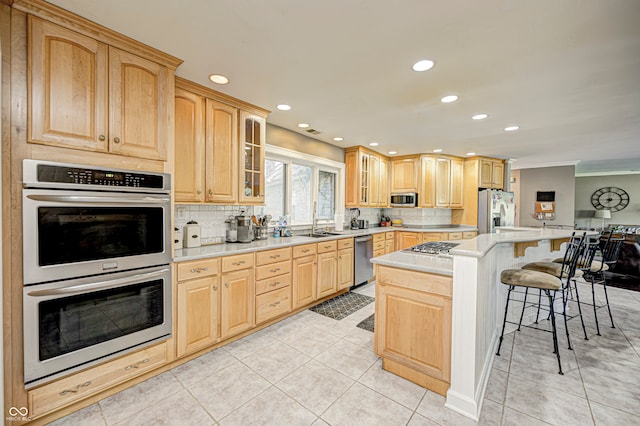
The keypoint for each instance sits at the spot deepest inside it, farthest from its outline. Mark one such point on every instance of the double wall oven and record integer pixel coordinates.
(96, 263)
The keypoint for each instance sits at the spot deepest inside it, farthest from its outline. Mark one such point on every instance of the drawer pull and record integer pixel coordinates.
(274, 257)
(274, 284)
(274, 270)
(327, 247)
(273, 305)
(137, 364)
(306, 250)
(198, 270)
(242, 262)
(66, 391)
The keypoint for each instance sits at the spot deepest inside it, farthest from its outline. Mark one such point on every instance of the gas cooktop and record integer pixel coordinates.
(433, 248)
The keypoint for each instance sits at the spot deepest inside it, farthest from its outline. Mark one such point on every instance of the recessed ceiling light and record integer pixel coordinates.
(449, 98)
(511, 128)
(303, 125)
(392, 152)
(218, 79)
(423, 65)
(471, 153)
(437, 150)
(480, 116)
(338, 139)
(374, 144)
(284, 107)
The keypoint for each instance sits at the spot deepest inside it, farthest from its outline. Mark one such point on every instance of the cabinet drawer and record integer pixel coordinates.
(272, 304)
(421, 281)
(378, 252)
(271, 256)
(390, 235)
(327, 246)
(198, 269)
(304, 250)
(346, 243)
(469, 234)
(275, 283)
(268, 271)
(74, 388)
(455, 235)
(235, 263)
(378, 238)
(379, 245)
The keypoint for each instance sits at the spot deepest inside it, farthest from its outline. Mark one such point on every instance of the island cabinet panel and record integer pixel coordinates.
(413, 326)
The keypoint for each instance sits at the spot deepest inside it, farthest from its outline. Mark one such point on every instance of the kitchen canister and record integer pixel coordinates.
(192, 234)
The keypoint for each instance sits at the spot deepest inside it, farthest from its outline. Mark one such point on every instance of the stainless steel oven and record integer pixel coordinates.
(97, 273)
(71, 324)
(80, 221)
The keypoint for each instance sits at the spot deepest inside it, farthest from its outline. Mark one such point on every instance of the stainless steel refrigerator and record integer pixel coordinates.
(495, 208)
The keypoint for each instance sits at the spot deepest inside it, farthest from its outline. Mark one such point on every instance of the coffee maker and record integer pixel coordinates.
(245, 229)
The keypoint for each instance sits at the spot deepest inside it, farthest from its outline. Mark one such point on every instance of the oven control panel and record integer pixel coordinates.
(65, 175)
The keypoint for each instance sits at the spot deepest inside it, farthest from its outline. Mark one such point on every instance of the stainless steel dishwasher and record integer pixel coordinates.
(362, 259)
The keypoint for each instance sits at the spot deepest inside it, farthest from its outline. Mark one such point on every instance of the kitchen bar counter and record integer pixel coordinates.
(478, 299)
(225, 249)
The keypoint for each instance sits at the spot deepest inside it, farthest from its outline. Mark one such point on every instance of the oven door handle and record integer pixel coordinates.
(97, 200)
(101, 285)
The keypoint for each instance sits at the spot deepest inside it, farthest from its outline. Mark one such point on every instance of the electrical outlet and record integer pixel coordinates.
(181, 212)
(216, 240)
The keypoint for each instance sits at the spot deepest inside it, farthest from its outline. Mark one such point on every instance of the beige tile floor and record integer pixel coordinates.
(312, 370)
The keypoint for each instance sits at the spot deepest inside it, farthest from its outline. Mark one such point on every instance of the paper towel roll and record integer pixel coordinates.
(339, 221)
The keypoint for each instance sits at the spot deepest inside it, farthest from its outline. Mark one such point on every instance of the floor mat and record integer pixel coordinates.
(343, 305)
(367, 324)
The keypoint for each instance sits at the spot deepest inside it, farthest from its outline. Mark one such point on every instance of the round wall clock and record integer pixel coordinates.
(610, 198)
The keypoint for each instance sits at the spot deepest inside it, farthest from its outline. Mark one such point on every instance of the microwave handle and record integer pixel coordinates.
(96, 200)
(101, 285)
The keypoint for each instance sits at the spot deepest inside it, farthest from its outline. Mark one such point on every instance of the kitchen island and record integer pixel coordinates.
(444, 338)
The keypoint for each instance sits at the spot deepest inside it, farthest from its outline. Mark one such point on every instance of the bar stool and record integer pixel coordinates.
(610, 251)
(564, 272)
(546, 283)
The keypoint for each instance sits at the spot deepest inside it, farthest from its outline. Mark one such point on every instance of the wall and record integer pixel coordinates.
(587, 185)
(559, 179)
(285, 138)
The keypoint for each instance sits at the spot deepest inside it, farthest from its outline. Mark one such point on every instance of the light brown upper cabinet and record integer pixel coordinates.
(404, 174)
(366, 178)
(491, 173)
(252, 144)
(449, 182)
(208, 153)
(85, 94)
(427, 190)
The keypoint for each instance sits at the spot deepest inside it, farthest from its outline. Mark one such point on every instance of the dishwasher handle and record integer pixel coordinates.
(363, 238)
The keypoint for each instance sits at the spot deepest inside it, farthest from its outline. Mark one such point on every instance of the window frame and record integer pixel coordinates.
(317, 164)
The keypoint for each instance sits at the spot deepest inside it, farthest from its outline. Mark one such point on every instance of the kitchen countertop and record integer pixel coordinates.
(227, 249)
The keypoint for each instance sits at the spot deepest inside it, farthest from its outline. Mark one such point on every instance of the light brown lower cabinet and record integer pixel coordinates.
(407, 239)
(413, 326)
(198, 322)
(237, 313)
(345, 268)
(305, 275)
(327, 274)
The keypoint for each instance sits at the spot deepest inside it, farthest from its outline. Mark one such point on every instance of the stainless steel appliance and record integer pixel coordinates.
(245, 229)
(435, 248)
(407, 199)
(231, 229)
(362, 260)
(495, 208)
(97, 274)
(80, 220)
(363, 224)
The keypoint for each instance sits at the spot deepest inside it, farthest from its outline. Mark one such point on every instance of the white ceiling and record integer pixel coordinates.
(567, 72)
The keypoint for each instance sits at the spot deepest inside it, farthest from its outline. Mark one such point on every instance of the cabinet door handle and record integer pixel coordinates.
(226, 285)
(101, 137)
(116, 139)
(83, 385)
(199, 191)
(137, 364)
(215, 288)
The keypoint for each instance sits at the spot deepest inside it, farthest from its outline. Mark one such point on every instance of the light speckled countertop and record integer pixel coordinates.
(227, 249)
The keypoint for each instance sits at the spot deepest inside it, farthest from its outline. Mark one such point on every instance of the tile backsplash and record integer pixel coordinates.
(210, 218)
(410, 216)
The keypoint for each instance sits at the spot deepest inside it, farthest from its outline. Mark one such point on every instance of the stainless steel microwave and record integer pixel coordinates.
(407, 199)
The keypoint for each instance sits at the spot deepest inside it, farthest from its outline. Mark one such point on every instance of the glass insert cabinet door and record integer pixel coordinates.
(252, 142)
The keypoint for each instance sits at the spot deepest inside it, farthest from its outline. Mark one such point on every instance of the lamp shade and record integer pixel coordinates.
(603, 214)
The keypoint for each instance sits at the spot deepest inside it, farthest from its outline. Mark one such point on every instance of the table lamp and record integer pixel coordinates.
(603, 214)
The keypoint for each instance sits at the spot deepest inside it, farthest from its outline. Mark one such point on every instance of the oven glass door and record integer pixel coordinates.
(71, 323)
(70, 234)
